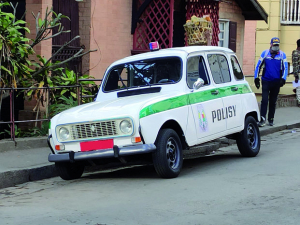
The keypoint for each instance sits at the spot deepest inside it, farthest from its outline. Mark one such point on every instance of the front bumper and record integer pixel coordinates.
(115, 152)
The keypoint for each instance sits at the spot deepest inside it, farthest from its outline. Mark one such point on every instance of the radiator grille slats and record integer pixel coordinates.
(94, 130)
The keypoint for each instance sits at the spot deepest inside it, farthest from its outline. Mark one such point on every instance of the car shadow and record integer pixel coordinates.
(147, 171)
(137, 171)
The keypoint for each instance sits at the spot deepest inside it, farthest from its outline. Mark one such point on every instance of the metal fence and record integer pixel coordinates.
(12, 92)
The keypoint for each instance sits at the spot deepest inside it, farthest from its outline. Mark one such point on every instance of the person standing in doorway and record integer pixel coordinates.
(296, 70)
(273, 77)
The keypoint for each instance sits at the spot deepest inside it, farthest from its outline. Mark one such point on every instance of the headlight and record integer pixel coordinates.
(125, 126)
(64, 133)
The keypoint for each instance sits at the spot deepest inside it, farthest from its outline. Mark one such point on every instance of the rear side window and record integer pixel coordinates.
(237, 71)
(219, 68)
(196, 68)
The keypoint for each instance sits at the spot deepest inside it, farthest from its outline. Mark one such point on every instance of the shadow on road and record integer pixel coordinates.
(148, 171)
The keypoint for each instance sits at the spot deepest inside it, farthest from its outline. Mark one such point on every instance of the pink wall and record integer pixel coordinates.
(110, 33)
(105, 25)
(45, 48)
(231, 11)
(35, 6)
(249, 48)
(85, 31)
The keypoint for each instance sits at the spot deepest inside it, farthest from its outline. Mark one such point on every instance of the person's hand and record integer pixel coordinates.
(282, 82)
(296, 79)
(257, 82)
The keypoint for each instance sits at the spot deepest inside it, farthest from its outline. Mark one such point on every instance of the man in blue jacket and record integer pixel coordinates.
(273, 77)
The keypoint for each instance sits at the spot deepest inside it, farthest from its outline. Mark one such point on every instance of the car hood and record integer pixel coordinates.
(117, 108)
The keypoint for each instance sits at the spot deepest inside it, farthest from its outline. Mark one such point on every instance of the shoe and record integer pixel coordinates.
(262, 122)
(271, 122)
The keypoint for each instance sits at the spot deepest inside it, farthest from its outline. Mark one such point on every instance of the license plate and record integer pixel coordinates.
(96, 145)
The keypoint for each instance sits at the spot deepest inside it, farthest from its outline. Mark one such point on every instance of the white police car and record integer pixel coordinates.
(155, 106)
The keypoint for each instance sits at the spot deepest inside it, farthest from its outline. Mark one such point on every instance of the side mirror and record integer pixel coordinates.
(198, 83)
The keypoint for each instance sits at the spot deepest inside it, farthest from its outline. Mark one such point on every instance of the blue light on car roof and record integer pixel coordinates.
(154, 46)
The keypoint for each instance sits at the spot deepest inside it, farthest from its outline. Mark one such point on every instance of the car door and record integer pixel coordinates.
(220, 68)
(206, 102)
(233, 97)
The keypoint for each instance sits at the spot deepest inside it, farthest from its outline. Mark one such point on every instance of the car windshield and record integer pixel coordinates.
(143, 73)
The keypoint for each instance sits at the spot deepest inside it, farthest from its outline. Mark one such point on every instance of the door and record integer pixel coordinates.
(70, 9)
(233, 99)
(206, 102)
(231, 113)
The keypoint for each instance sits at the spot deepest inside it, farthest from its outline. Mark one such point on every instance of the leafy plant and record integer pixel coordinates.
(36, 131)
(14, 49)
(17, 69)
(18, 132)
(67, 77)
(66, 103)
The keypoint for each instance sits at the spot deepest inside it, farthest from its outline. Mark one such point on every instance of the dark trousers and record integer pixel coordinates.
(270, 91)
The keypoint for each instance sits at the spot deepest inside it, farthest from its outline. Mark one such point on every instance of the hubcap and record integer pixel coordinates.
(172, 153)
(252, 136)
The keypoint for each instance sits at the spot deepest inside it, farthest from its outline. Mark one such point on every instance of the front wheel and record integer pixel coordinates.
(167, 158)
(69, 171)
(248, 140)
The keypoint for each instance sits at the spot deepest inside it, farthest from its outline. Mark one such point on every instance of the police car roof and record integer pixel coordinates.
(179, 51)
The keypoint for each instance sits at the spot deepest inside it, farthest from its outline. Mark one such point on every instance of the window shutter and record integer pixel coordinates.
(232, 35)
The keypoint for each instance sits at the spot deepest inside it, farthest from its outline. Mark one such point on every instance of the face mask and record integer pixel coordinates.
(275, 48)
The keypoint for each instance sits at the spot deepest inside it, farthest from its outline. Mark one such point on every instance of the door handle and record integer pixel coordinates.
(216, 92)
(234, 88)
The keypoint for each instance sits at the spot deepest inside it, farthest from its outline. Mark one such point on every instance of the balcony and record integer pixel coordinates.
(290, 12)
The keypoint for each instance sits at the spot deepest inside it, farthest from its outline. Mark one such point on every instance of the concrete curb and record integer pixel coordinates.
(23, 143)
(274, 129)
(15, 177)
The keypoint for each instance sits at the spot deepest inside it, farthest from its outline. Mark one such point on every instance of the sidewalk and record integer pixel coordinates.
(28, 160)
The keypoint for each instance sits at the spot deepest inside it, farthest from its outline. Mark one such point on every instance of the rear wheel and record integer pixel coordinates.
(69, 171)
(167, 158)
(248, 140)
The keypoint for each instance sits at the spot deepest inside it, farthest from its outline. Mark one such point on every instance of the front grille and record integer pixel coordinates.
(94, 130)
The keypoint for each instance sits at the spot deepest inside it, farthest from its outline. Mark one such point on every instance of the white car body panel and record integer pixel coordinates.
(109, 106)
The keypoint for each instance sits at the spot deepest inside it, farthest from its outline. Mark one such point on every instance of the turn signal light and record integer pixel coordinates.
(59, 147)
(136, 139)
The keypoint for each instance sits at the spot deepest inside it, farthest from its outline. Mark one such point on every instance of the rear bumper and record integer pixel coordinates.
(115, 152)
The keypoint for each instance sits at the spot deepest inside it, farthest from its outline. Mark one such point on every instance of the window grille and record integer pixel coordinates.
(155, 24)
(290, 12)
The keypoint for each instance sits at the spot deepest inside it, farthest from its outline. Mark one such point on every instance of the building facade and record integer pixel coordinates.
(283, 22)
(121, 28)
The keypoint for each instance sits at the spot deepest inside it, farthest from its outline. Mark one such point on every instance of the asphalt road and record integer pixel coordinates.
(220, 189)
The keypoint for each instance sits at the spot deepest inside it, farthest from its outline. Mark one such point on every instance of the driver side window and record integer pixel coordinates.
(196, 68)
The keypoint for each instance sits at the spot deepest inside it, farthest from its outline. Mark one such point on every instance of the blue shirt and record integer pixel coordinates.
(273, 67)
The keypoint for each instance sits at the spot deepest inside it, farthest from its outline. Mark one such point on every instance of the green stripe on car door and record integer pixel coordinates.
(164, 105)
(193, 98)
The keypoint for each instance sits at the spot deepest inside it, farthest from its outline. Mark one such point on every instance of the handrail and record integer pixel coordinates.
(12, 90)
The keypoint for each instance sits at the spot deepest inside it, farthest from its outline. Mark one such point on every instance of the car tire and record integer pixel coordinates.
(69, 171)
(248, 140)
(168, 159)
